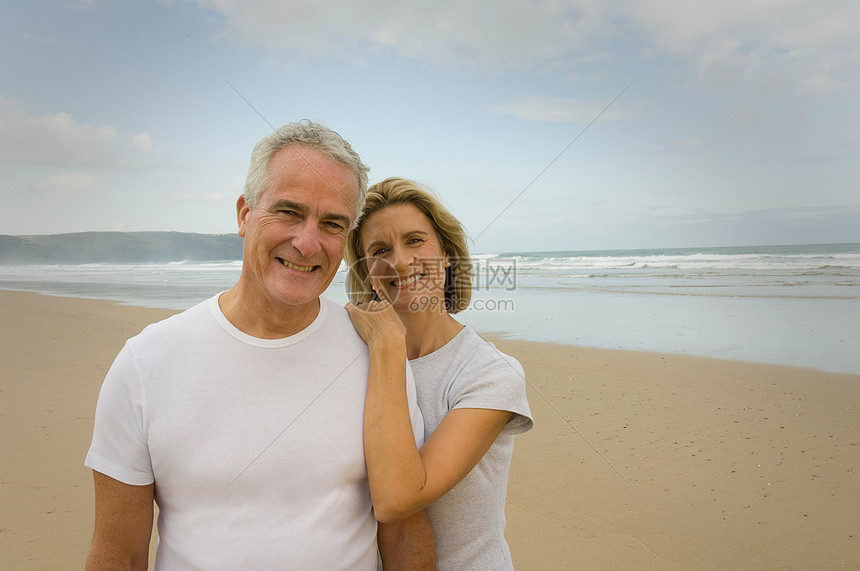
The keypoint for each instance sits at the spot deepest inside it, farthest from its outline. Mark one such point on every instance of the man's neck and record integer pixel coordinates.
(265, 318)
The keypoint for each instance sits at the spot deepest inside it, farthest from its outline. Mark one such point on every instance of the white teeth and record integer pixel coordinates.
(407, 281)
(295, 267)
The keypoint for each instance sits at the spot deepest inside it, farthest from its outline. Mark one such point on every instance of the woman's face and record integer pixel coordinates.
(405, 258)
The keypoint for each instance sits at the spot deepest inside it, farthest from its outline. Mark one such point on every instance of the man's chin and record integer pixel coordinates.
(288, 290)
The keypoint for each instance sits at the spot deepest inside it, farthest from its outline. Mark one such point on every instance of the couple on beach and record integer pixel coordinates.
(275, 429)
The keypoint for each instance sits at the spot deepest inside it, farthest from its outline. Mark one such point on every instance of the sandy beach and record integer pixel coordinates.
(636, 461)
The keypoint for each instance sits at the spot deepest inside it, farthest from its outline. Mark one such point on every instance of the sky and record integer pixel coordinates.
(542, 125)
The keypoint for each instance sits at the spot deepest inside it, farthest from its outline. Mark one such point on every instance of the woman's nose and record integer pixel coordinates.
(402, 260)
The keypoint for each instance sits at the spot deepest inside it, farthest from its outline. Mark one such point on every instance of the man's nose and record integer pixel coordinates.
(307, 239)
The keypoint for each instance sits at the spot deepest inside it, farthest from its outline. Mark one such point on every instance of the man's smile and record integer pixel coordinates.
(296, 266)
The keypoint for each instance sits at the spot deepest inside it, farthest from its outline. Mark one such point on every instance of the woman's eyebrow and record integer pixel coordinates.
(375, 243)
(381, 242)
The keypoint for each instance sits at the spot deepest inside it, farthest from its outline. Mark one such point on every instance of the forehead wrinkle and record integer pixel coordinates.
(323, 160)
(331, 159)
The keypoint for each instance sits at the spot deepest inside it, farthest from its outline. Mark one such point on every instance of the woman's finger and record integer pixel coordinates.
(378, 286)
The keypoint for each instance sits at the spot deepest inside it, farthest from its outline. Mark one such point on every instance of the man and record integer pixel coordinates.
(242, 417)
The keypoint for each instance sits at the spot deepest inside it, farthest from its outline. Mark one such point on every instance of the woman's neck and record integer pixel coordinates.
(427, 331)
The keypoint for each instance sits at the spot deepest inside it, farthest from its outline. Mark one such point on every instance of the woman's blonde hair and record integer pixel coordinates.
(394, 191)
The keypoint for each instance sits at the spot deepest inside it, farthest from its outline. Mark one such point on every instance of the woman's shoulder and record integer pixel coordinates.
(466, 360)
(488, 350)
(492, 379)
(480, 357)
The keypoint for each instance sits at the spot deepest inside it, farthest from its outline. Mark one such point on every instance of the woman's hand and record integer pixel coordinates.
(376, 320)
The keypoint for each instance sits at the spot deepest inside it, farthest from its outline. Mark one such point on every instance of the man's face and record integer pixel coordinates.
(295, 236)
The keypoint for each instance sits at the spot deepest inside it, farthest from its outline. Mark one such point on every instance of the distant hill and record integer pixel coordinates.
(118, 247)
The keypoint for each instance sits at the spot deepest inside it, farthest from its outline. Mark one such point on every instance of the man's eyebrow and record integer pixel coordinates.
(284, 204)
(344, 220)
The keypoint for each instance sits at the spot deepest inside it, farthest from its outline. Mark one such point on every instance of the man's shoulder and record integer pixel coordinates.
(186, 322)
(337, 320)
(334, 310)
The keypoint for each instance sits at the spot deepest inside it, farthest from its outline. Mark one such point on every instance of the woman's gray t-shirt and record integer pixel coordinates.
(468, 372)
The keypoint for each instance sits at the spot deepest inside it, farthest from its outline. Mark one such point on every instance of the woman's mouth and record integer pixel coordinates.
(406, 281)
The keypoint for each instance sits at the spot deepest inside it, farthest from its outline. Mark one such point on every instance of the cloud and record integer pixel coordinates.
(753, 217)
(684, 146)
(558, 110)
(68, 184)
(142, 142)
(79, 5)
(447, 33)
(181, 195)
(45, 40)
(789, 45)
(752, 113)
(771, 45)
(56, 140)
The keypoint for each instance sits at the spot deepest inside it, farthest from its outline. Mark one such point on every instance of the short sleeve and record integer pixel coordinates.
(497, 381)
(119, 447)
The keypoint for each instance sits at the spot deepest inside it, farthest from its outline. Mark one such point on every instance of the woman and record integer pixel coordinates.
(409, 272)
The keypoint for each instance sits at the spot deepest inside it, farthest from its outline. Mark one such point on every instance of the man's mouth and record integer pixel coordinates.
(297, 267)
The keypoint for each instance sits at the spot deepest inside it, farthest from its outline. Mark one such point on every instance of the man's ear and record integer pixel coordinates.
(242, 213)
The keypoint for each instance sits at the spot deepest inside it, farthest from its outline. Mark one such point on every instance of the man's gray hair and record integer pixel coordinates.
(308, 134)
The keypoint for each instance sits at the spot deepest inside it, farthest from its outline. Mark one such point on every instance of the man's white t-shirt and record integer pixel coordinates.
(255, 445)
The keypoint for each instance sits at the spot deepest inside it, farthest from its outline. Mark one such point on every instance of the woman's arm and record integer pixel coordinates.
(404, 480)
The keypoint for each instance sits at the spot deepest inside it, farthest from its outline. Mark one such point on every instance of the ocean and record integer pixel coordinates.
(792, 305)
